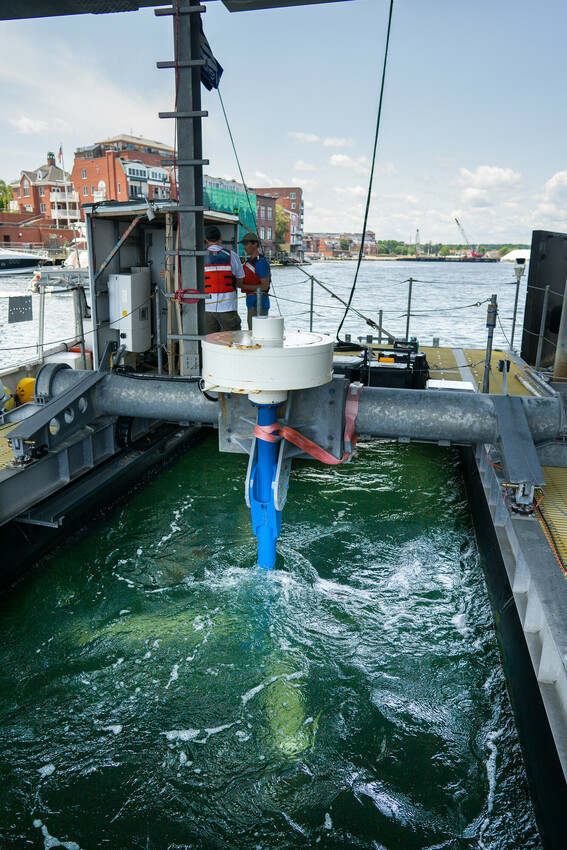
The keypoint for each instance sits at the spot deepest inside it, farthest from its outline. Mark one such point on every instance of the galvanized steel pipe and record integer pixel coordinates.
(439, 415)
(426, 415)
(145, 398)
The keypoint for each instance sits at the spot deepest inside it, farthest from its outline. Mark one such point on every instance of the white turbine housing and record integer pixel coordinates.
(266, 362)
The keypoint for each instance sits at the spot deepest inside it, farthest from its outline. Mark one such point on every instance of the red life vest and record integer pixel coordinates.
(251, 279)
(218, 273)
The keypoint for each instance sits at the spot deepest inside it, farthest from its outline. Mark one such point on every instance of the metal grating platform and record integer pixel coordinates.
(6, 455)
(553, 508)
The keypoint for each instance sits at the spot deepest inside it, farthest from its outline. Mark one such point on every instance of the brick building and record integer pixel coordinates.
(328, 245)
(23, 231)
(290, 199)
(46, 192)
(266, 223)
(121, 168)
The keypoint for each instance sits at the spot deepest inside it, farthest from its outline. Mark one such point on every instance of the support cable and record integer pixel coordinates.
(252, 213)
(369, 195)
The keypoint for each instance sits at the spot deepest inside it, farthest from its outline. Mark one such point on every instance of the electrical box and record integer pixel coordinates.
(130, 309)
(401, 366)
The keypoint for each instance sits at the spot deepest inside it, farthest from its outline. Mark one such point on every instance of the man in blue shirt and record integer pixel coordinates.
(256, 274)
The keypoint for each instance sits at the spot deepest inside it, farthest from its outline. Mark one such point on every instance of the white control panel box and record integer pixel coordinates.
(130, 308)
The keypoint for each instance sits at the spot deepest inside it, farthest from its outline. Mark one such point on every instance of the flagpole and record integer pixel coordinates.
(61, 157)
(67, 201)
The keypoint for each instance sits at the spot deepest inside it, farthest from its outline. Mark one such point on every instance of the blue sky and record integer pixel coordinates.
(473, 122)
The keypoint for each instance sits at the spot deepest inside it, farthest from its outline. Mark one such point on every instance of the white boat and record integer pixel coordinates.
(17, 262)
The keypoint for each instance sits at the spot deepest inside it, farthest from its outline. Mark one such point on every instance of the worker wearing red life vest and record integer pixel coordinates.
(223, 274)
(256, 274)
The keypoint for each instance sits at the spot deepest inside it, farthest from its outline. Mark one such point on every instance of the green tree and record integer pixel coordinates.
(282, 224)
(343, 243)
(5, 195)
(444, 251)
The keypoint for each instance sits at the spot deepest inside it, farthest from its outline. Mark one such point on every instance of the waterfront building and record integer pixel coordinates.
(290, 199)
(232, 197)
(46, 192)
(328, 245)
(123, 168)
(266, 223)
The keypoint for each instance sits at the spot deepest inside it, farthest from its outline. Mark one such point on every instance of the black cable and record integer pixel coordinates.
(144, 376)
(253, 214)
(361, 251)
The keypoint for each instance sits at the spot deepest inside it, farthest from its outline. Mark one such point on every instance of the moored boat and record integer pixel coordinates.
(13, 261)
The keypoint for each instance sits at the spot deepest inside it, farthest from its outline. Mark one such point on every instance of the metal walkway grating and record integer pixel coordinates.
(6, 454)
(552, 512)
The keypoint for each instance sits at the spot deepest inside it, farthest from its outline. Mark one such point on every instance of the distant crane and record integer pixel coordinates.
(474, 253)
(417, 242)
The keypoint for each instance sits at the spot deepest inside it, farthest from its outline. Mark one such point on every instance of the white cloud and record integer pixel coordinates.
(359, 165)
(303, 137)
(102, 106)
(306, 184)
(555, 189)
(491, 177)
(300, 165)
(553, 199)
(339, 143)
(406, 199)
(352, 191)
(385, 169)
(476, 197)
(29, 126)
(261, 179)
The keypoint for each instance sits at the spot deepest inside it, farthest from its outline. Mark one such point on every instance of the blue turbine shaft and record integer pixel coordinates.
(266, 520)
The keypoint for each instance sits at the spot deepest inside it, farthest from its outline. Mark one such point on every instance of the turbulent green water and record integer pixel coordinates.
(158, 691)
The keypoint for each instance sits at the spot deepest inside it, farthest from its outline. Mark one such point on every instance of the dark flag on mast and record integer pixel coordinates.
(212, 71)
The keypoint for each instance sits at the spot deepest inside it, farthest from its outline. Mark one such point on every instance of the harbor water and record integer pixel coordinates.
(158, 690)
(448, 302)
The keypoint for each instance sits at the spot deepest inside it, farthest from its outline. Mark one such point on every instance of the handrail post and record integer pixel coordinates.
(490, 324)
(41, 327)
(515, 313)
(409, 307)
(311, 306)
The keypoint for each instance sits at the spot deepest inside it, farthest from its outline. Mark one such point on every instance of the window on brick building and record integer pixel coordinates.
(269, 232)
(84, 173)
(85, 190)
(270, 215)
(262, 233)
(119, 188)
(293, 205)
(263, 211)
(42, 208)
(41, 191)
(292, 194)
(26, 190)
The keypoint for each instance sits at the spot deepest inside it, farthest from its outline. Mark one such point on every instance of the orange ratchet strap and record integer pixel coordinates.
(270, 432)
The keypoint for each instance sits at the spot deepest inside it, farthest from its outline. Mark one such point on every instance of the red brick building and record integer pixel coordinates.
(27, 231)
(290, 198)
(266, 223)
(122, 168)
(47, 192)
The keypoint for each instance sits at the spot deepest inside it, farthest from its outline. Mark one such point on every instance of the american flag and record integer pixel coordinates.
(60, 154)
